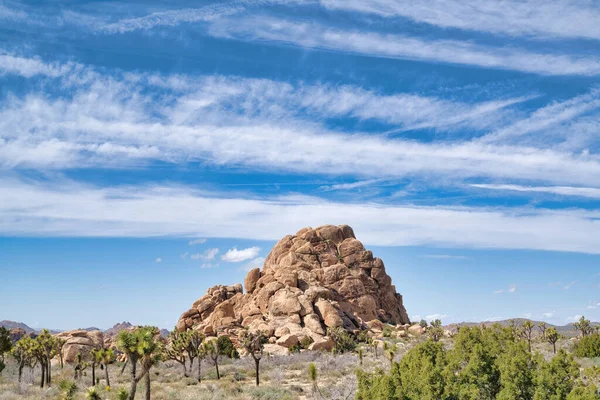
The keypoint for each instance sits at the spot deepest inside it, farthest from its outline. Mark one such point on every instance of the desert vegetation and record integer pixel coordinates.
(518, 361)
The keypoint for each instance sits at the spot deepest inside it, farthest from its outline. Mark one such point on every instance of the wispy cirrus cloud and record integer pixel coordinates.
(113, 121)
(556, 190)
(70, 209)
(390, 45)
(560, 18)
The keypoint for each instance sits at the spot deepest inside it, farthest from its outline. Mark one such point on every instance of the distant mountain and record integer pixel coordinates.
(91, 328)
(16, 325)
(114, 331)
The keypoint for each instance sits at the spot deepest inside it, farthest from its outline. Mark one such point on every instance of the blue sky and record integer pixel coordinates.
(460, 139)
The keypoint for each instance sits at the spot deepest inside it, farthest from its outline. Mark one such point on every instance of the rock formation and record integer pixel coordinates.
(80, 341)
(316, 279)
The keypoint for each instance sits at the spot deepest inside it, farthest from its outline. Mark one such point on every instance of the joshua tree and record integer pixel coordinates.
(253, 343)
(436, 332)
(390, 351)
(22, 354)
(95, 355)
(177, 348)
(107, 356)
(5, 345)
(312, 377)
(211, 350)
(194, 349)
(140, 345)
(46, 351)
(59, 344)
(360, 356)
(80, 366)
(552, 337)
(543, 327)
(527, 332)
(584, 326)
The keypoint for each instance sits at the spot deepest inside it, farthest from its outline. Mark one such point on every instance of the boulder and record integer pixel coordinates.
(251, 278)
(287, 341)
(322, 344)
(80, 341)
(416, 330)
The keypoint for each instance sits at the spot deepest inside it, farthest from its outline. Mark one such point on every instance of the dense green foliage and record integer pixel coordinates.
(344, 341)
(485, 363)
(5, 345)
(588, 346)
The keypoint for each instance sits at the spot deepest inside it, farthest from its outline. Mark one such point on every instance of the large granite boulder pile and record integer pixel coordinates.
(316, 279)
(80, 341)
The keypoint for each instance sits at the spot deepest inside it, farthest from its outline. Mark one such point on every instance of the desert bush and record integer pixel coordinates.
(485, 363)
(344, 341)
(588, 346)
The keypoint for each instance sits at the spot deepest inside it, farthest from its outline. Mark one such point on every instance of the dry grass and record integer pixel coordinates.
(282, 377)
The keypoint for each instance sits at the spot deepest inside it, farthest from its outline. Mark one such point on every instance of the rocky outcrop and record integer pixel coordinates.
(80, 341)
(16, 334)
(316, 279)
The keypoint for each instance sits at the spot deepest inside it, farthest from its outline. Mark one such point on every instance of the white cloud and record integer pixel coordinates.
(184, 255)
(498, 291)
(208, 265)
(527, 315)
(574, 318)
(512, 288)
(313, 35)
(558, 18)
(446, 257)
(435, 316)
(546, 117)
(559, 190)
(570, 285)
(235, 255)
(494, 319)
(110, 121)
(196, 241)
(256, 263)
(548, 314)
(11, 14)
(209, 254)
(158, 260)
(70, 209)
(170, 18)
(350, 186)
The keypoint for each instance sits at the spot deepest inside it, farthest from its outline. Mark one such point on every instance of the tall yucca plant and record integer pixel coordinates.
(141, 345)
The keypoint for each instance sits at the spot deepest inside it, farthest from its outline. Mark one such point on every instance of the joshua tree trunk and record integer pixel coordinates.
(106, 374)
(185, 373)
(199, 369)
(133, 380)
(147, 379)
(554, 346)
(43, 375)
(20, 371)
(61, 359)
(217, 367)
(49, 372)
(93, 374)
(256, 363)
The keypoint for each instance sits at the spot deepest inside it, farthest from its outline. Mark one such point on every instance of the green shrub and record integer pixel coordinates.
(122, 394)
(68, 389)
(306, 342)
(344, 341)
(588, 346)
(387, 331)
(484, 364)
(225, 347)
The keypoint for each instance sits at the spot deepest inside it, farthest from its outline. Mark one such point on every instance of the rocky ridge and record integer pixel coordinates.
(316, 279)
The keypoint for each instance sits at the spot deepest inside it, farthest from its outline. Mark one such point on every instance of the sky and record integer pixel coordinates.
(150, 150)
